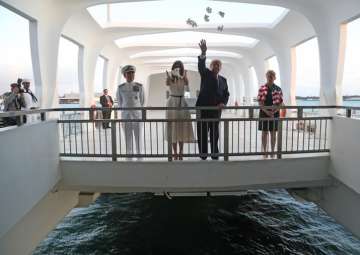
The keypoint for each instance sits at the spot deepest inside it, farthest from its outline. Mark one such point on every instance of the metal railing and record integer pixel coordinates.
(82, 136)
(238, 136)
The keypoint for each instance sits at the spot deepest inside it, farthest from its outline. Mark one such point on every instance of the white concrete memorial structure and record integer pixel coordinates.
(33, 201)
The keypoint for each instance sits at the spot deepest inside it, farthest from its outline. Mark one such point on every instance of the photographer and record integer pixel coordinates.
(13, 101)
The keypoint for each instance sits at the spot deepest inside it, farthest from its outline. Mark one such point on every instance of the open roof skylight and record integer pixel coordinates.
(174, 14)
(186, 39)
(184, 52)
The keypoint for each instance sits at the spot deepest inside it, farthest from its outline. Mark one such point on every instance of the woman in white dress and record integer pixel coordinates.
(181, 132)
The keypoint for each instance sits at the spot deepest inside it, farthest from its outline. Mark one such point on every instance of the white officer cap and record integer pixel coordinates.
(128, 68)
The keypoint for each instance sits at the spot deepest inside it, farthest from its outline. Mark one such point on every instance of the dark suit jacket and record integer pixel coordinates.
(104, 102)
(211, 93)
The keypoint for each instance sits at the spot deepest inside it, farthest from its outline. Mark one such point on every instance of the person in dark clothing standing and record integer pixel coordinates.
(106, 102)
(213, 92)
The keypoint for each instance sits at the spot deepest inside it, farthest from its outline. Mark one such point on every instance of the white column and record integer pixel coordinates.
(88, 63)
(44, 40)
(259, 65)
(286, 73)
(112, 75)
(341, 63)
(329, 45)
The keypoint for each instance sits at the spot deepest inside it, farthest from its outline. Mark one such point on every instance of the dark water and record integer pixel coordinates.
(257, 222)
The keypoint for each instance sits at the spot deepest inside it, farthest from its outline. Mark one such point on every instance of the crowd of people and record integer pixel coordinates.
(20, 97)
(213, 93)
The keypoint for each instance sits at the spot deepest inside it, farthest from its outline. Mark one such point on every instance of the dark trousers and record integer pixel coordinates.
(203, 130)
(106, 116)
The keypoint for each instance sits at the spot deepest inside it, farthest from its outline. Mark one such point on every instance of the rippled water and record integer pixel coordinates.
(257, 222)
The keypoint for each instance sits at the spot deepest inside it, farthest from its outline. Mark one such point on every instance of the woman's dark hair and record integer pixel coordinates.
(179, 64)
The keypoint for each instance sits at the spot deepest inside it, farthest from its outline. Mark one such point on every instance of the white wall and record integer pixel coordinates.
(193, 176)
(157, 88)
(29, 157)
(29, 169)
(345, 148)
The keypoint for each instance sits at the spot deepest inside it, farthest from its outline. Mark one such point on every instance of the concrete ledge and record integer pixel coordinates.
(194, 176)
(26, 234)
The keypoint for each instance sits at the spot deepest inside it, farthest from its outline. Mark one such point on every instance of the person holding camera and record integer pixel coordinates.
(13, 101)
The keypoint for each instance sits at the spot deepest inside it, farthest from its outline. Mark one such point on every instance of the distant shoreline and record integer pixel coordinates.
(314, 98)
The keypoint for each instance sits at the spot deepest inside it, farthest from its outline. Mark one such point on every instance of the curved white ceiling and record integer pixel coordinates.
(174, 14)
(184, 52)
(185, 60)
(186, 39)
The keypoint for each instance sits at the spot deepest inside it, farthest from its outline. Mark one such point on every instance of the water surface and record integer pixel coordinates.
(257, 222)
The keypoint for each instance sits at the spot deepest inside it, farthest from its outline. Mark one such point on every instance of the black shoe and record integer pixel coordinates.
(215, 158)
(203, 158)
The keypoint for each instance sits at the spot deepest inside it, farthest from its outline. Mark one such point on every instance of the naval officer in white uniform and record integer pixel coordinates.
(131, 94)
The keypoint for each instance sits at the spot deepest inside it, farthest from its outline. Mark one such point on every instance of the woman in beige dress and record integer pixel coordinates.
(181, 132)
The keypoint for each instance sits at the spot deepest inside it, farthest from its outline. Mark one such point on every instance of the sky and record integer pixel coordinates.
(15, 60)
(176, 13)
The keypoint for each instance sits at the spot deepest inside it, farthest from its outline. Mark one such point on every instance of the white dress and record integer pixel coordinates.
(181, 131)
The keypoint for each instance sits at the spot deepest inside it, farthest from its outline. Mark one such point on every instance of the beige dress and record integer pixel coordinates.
(180, 131)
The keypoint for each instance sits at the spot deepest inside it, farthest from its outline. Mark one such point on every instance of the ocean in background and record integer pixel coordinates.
(350, 103)
(256, 223)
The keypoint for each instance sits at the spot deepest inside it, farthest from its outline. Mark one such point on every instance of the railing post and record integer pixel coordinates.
(348, 113)
(115, 114)
(19, 120)
(113, 141)
(43, 116)
(143, 114)
(226, 140)
(300, 113)
(169, 139)
(251, 113)
(279, 139)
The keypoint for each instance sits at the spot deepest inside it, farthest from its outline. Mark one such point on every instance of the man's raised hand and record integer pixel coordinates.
(203, 47)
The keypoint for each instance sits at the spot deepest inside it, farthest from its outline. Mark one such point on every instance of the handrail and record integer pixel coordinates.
(190, 120)
(85, 138)
(80, 109)
(39, 111)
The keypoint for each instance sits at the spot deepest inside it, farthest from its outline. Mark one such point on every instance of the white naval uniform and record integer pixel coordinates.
(131, 95)
(28, 105)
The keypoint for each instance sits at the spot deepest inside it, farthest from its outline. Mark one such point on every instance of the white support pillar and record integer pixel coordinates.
(286, 71)
(238, 85)
(248, 85)
(44, 40)
(293, 83)
(260, 70)
(88, 63)
(241, 88)
(329, 45)
(112, 76)
(105, 74)
(341, 63)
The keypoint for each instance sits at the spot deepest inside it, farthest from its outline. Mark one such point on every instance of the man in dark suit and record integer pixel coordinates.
(106, 101)
(213, 92)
